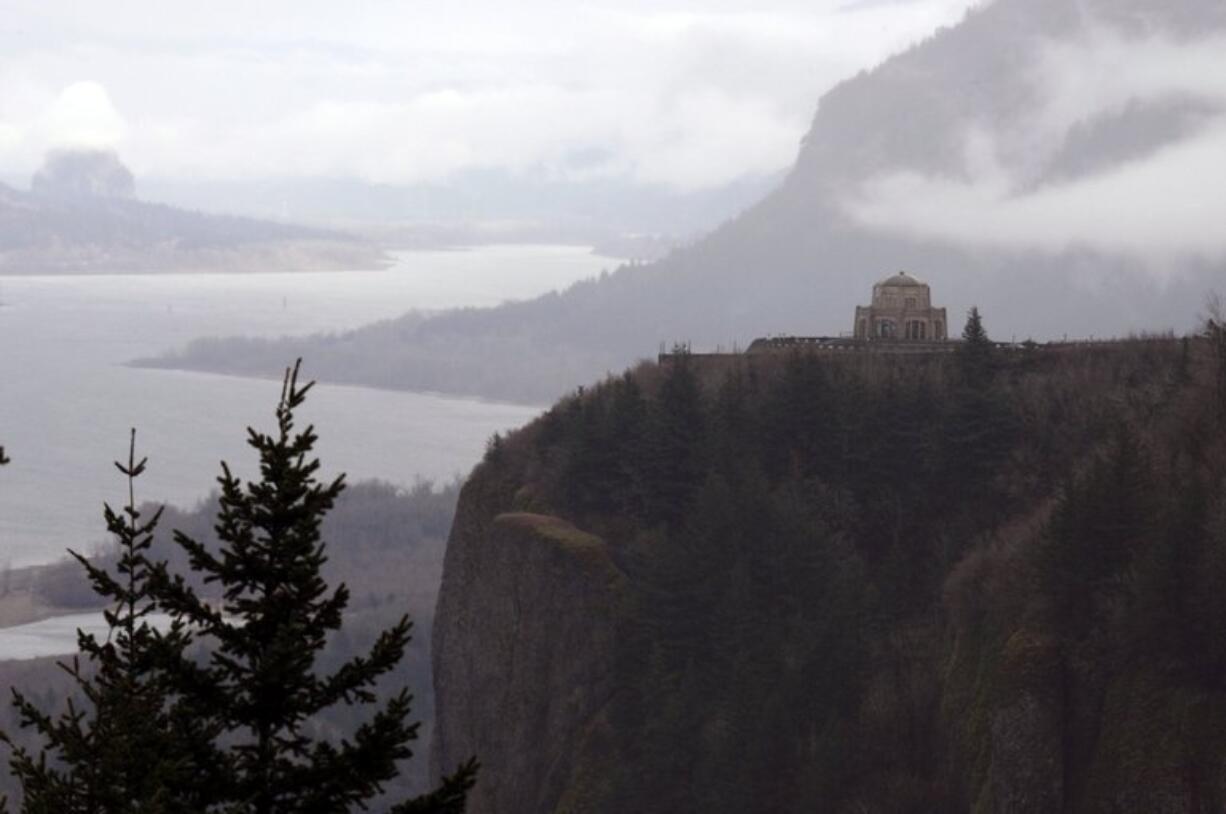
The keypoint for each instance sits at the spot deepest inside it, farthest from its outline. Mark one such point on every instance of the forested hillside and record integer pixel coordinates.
(965, 582)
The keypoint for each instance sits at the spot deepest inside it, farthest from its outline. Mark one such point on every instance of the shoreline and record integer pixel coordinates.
(20, 603)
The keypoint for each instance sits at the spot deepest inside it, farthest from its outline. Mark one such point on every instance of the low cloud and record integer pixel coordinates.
(683, 94)
(80, 116)
(1169, 205)
(1159, 202)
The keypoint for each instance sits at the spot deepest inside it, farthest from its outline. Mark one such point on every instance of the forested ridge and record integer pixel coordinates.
(979, 581)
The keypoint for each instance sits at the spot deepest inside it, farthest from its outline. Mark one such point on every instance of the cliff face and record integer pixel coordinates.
(849, 584)
(529, 602)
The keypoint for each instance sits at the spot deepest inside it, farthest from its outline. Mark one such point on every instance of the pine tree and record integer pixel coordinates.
(1103, 519)
(675, 467)
(1215, 332)
(630, 425)
(980, 423)
(126, 749)
(276, 612)
(975, 352)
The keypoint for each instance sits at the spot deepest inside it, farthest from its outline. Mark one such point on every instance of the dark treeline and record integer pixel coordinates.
(390, 547)
(905, 584)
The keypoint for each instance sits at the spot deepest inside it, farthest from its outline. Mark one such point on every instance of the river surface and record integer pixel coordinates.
(67, 402)
(57, 636)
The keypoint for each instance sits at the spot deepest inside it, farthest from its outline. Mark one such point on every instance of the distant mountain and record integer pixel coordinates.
(83, 175)
(477, 206)
(81, 216)
(1038, 160)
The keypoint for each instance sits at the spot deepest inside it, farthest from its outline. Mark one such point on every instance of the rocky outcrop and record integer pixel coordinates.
(523, 655)
(1027, 771)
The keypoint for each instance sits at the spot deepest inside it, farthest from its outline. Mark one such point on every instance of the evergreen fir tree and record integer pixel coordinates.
(276, 612)
(798, 425)
(980, 424)
(1215, 332)
(629, 419)
(592, 467)
(676, 465)
(127, 749)
(1183, 365)
(1103, 519)
(975, 352)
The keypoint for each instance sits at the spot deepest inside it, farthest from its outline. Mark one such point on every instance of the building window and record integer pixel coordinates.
(886, 329)
(910, 302)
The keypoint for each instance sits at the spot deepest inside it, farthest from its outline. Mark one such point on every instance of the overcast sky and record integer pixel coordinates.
(683, 93)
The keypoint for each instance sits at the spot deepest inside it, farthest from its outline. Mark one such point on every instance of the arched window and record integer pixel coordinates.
(886, 329)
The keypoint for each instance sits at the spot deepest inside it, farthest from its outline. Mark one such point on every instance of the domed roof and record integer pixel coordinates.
(902, 278)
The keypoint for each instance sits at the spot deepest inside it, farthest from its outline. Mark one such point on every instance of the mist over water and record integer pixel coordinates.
(67, 401)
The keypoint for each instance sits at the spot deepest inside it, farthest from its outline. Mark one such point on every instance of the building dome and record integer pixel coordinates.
(904, 279)
(902, 310)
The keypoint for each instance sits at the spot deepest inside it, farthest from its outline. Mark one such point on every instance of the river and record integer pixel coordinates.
(67, 401)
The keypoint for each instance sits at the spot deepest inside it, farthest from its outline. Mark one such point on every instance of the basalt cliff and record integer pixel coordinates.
(984, 581)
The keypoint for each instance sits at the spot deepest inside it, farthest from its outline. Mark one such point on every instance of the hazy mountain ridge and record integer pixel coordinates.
(478, 207)
(960, 111)
(78, 222)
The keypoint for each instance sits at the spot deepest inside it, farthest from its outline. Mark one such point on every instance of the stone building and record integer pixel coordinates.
(901, 311)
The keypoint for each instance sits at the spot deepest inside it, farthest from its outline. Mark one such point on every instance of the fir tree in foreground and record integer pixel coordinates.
(126, 749)
(216, 714)
(258, 684)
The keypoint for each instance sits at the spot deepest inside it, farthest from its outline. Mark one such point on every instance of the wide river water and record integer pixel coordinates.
(67, 402)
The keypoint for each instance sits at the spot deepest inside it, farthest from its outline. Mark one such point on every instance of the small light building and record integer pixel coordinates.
(901, 311)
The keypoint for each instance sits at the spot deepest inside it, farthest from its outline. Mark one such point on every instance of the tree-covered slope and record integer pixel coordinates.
(859, 583)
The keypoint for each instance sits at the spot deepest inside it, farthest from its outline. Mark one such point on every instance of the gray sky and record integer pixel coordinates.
(682, 93)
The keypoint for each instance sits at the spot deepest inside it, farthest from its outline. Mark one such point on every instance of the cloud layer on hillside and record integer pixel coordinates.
(1159, 200)
(683, 93)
